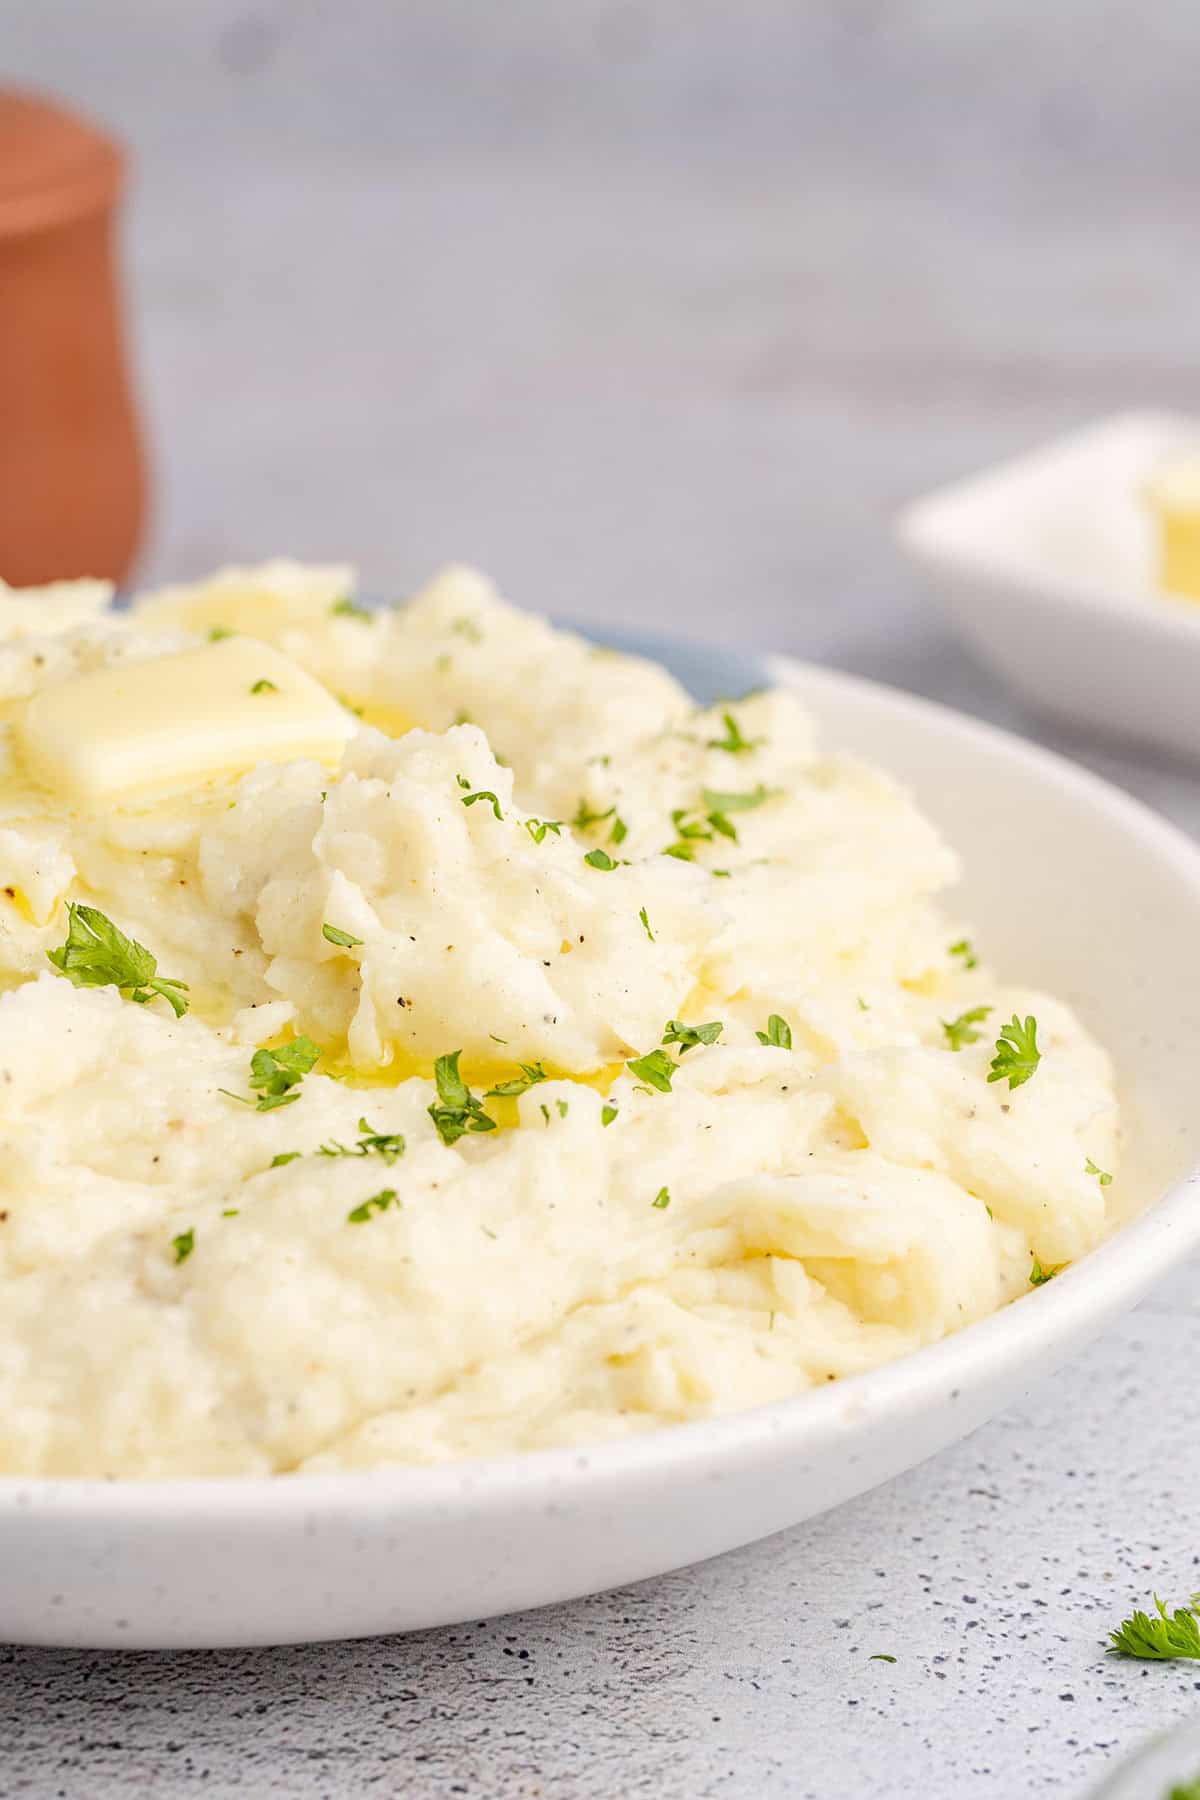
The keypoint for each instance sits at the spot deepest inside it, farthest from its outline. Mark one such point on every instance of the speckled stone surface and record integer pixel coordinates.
(659, 311)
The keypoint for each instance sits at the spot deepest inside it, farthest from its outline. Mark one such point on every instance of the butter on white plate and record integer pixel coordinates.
(1070, 570)
(129, 732)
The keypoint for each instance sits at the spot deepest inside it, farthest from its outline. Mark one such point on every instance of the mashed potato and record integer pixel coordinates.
(557, 1061)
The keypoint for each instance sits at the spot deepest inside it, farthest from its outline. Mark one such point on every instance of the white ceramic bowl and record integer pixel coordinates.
(1047, 566)
(1167, 1764)
(1071, 885)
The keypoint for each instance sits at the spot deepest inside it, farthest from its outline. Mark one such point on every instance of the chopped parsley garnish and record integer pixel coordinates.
(230, 1212)
(531, 1074)
(467, 628)
(645, 918)
(881, 1656)
(656, 1068)
(537, 828)
(599, 859)
(688, 1036)
(1162, 1638)
(333, 934)
(619, 832)
(608, 1113)
(389, 1145)
(963, 949)
(278, 1073)
(378, 1203)
(545, 1112)
(456, 1110)
(563, 1107)
(718, 802)
(217, 632)
(347, 608)
(778, 1033)
(733, 741)
(715, 820)
(1017, 1054)
(283, 1158)
(962, 1031)
(662, 1199)
(1041, 1273)
(184, 1244)
(1102, 1175)
(585, 818)
(97, 954)
(480, 794)
(263, 686)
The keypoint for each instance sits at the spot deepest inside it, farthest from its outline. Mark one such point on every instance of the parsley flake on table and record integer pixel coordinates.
(378, 1203)
(469, 799)
(733, 742)
(456, 1110)
(961, 1031)
(778, 1033)
(688, 1036)
(881, 1656)
(531, 1074)
(1159, 1639)
(1102, 1175)
(333, 934)
(184, 1244)
(1017, 1054)
(656, 1068)
(97, 954)
(276, 1074)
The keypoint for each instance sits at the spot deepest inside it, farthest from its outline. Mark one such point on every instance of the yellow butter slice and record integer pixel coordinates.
(123, 734)
(1173, 492)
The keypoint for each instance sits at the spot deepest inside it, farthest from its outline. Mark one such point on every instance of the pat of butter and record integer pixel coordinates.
(1174, 495)
(126, 733)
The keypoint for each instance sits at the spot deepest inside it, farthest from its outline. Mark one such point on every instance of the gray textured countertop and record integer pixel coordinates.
(660, 321)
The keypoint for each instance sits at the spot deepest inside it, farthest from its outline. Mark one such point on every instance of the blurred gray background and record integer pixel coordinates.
(656, 311)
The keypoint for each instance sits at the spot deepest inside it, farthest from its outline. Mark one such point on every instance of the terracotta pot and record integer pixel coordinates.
(71, 472)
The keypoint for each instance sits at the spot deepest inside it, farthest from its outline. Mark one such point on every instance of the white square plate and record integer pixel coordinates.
(1047, 565)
